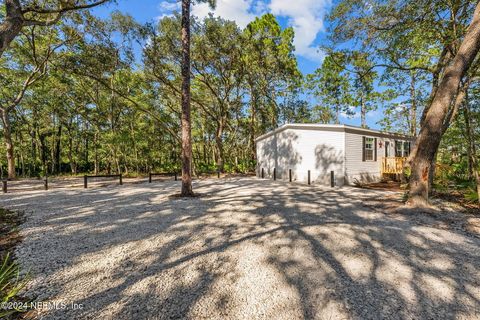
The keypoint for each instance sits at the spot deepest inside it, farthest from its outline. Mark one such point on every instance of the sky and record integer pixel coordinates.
(307, 17)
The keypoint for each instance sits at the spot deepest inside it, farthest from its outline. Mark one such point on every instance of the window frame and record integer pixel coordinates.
(372, 148)
(406, 148)
(398, 152)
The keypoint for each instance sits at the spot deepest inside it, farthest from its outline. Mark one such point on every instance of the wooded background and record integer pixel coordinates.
(83, 94)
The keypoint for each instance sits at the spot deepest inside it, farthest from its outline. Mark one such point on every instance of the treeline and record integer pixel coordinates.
(83, 94)
(104, 97)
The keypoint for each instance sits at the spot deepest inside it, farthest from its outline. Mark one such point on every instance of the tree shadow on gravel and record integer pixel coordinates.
(247, 248)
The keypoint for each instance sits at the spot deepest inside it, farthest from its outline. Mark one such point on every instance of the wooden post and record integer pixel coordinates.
(46, 182)
(263, 173)
(4, 186)
(290, 175)
(332, 179)
(121, 182)
(85, 181)
(218, 174)
(176, 176)
(274, 174)
(308, 176)
(150, 177)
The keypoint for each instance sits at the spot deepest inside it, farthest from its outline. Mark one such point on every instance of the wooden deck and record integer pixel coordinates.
(392, 165)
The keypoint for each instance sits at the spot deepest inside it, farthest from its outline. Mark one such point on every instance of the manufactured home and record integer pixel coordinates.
(330, 153)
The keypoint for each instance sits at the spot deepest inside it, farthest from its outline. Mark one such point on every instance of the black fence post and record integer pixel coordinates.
(308, 176)
(263, 173)
(46, 182)
(150, 177)
(85, 181)
(332, 179)
(121, 182)
(176, 176)
(274, 173)
(218, 174)
(290, 175)
(4, 186)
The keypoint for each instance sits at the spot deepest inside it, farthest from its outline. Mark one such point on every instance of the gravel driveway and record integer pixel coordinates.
(246, 249)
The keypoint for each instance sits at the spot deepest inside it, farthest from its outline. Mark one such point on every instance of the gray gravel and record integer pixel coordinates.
(245, 249)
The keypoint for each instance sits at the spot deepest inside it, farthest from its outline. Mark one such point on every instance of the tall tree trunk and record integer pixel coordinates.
(95, 146)
(7, 134)
(337, 114)
(413, 108)
(219, 144)
(253, 116)
(58, 151)
(73, 166)
(472, 152)
(135, 150)
(363, 113)
(87, 163)
(22, 164)
(253, 146)
(470, 140)
(186, 113)
(33, 151)
(433, 127)
(43, 152)
(11, 25)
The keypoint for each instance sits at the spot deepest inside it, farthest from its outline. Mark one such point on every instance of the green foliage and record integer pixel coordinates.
(10, 285)
(472, 195)
(330, 84)
(97, 108)
(410, 44)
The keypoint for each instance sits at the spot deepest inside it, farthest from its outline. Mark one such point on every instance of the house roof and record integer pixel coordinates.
(333, 127)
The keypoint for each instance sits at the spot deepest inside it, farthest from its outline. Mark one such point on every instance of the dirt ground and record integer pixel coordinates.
(245, 249)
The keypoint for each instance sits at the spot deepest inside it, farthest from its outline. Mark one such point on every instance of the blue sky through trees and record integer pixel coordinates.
(307, 17)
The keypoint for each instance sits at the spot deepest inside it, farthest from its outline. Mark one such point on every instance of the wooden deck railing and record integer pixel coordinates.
(393, 165)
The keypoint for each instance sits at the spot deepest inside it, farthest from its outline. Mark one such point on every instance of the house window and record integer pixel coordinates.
(402, 148)
(369, 147)
(398, 148)
(387, 149)
(406, 149)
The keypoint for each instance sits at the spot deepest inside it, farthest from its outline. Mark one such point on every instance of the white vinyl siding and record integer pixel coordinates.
(322, 149)
(355, 167)
(302, 150)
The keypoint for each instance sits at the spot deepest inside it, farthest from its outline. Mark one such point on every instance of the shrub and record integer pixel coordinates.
(471, 194)
(10, 285)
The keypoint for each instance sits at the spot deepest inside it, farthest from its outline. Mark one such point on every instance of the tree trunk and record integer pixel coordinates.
(432, 129)
(7, 134)
(253, 146)
(11, 25)
(43, 152)
(22, 164)
(33, 153)
(253, 116)
(472, 152)
(95, 146)
(87, 163)
(413, 108)
(73, 166)
(186, 122)
(219, 144)
(58, 150)
(337, 114)
(363, 113)
(470, 140)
